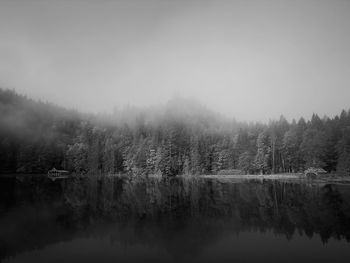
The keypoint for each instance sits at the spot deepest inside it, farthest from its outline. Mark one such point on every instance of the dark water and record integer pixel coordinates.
(173, 220)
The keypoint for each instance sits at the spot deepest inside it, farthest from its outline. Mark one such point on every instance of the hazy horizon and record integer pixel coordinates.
(252, 61)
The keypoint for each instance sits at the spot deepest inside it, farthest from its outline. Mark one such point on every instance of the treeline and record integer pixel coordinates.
(180, 137)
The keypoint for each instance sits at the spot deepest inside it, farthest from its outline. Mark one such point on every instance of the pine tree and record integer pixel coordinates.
(108, 156)
(262, 158)
(151, 161)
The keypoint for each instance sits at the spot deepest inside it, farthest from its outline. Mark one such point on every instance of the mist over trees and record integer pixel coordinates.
(179, 137)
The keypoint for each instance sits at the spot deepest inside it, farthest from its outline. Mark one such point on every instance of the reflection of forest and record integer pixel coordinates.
(165, 212)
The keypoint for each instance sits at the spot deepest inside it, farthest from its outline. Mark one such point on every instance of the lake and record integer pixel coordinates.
(118, 219)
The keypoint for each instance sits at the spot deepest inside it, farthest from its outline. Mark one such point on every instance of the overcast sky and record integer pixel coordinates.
(253, 60)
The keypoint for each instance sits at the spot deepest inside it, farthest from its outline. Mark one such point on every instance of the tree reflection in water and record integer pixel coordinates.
(181, 216)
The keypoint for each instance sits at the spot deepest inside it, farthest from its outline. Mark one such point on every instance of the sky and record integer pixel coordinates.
(251, 60)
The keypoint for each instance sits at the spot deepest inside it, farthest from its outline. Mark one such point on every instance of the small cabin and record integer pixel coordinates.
(57, 174)
(312, 172)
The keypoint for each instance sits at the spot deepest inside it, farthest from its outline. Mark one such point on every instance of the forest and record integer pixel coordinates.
(179, 137)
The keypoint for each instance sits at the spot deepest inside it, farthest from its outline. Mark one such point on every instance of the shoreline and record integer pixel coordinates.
(324, 178)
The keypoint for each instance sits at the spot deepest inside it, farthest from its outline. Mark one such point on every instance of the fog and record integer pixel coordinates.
(252, 60)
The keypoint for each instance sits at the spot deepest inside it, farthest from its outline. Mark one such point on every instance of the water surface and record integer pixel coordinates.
(173, 220)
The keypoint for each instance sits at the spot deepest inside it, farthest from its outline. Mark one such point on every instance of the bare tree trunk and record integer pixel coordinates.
(273, 142)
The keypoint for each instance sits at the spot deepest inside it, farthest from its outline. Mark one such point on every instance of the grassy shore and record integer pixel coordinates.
(325, 178)
(257, 176)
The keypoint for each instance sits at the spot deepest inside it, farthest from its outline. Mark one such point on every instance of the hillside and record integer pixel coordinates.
(179, 137)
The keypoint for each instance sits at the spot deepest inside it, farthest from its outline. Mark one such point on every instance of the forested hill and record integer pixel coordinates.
(179, 137)
(34, 135)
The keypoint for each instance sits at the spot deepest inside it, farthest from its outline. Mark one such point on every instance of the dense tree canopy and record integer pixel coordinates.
(180, 137)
